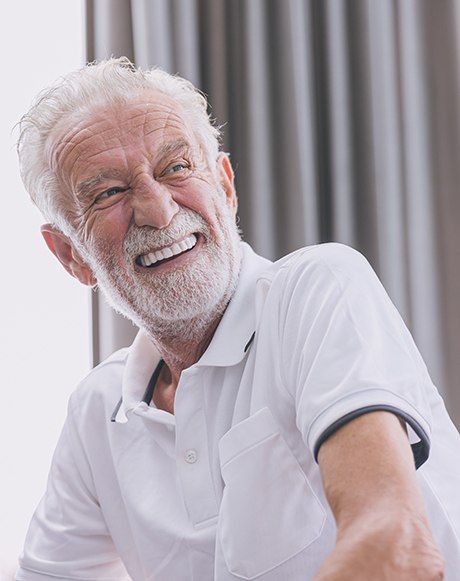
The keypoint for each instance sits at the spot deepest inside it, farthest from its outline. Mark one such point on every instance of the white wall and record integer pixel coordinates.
(44, 325)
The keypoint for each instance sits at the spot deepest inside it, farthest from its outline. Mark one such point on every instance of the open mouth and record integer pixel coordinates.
(162, 255)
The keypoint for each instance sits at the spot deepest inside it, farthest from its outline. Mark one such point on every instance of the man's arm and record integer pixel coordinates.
(368, 472)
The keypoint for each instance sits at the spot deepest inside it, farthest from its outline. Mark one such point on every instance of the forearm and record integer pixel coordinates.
(384, 550)
(370, 482)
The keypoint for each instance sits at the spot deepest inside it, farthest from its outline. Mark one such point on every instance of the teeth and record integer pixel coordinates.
(168, 251)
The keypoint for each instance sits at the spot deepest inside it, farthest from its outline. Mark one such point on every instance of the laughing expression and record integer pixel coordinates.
(155, 225)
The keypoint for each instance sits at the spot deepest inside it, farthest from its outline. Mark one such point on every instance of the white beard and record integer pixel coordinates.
(180, 302)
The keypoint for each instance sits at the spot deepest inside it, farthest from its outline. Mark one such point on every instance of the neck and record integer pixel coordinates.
(182, 343)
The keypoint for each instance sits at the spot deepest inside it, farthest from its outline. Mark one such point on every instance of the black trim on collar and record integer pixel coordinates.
(249, 343)
(420, 449)
(113, 417)
(152, 382)
(147, 398)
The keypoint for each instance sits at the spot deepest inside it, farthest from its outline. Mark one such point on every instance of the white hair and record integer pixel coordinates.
(109, 82)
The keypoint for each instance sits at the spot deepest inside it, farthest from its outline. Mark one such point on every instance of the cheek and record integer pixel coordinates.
(106, 230)
(207, 201)
(104, 239)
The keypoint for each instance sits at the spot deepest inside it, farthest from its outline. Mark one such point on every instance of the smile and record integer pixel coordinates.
(175, 249)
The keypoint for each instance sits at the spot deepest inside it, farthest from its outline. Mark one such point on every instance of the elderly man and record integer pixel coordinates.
(269, 418)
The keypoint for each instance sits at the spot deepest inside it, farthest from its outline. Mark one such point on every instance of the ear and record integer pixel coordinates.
(63, 249)
(227, 179)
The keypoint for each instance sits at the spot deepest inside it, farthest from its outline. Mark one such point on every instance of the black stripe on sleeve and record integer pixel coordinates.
(420, 449)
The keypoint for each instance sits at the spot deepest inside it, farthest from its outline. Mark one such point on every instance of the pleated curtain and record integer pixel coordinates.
(342, 119)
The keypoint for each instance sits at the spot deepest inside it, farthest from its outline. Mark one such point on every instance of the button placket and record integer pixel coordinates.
(192, 454)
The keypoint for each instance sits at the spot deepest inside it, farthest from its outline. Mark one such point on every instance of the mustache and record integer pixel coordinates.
(140, 240)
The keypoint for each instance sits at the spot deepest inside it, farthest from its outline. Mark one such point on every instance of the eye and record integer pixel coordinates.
(176, 167)
(108, 194)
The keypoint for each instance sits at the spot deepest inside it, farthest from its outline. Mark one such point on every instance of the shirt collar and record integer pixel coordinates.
(227, 347)
(142, 359)
(237, 325)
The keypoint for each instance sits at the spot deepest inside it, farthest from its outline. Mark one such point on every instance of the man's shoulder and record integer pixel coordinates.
(332, 258)
(100, 390)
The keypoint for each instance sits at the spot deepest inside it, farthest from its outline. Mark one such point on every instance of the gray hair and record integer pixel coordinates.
(112, 81)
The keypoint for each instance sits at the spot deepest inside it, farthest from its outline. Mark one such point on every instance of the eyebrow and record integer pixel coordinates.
(84, 188)
(172, 147)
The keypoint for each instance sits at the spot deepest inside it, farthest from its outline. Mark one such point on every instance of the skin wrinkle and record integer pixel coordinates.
(85, 188)
(77, 135)
(67, 147)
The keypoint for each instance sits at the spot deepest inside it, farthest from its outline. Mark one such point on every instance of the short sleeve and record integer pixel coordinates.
(346, 350)
(68, 537)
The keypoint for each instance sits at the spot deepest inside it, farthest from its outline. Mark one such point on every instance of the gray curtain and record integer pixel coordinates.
(342, 120)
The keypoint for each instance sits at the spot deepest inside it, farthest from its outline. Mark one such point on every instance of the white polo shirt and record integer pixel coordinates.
(228, 488)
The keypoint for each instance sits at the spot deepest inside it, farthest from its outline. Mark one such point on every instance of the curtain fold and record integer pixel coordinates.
(342, 121)
(385, 130)
(338, 180)
(294, 89)
(420, 198)
(251, 145)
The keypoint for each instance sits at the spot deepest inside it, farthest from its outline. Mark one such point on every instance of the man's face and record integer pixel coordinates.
(155, 225)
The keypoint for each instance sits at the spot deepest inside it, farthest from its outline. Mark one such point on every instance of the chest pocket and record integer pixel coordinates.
(269, 513)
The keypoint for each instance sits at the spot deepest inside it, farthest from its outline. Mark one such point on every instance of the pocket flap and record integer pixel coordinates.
(246, 434)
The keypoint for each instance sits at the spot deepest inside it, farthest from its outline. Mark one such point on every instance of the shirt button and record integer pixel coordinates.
(191, 456)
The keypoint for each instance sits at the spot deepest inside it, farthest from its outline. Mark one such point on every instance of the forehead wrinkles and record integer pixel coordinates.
(166, 120)
(66, 147)
(106, 132)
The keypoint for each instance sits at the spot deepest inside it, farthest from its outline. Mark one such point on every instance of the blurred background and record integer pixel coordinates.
(342, 120)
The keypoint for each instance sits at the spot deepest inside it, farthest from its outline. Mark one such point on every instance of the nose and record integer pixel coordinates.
(153, 204)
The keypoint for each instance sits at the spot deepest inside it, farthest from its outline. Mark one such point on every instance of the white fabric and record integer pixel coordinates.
(228, 487)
